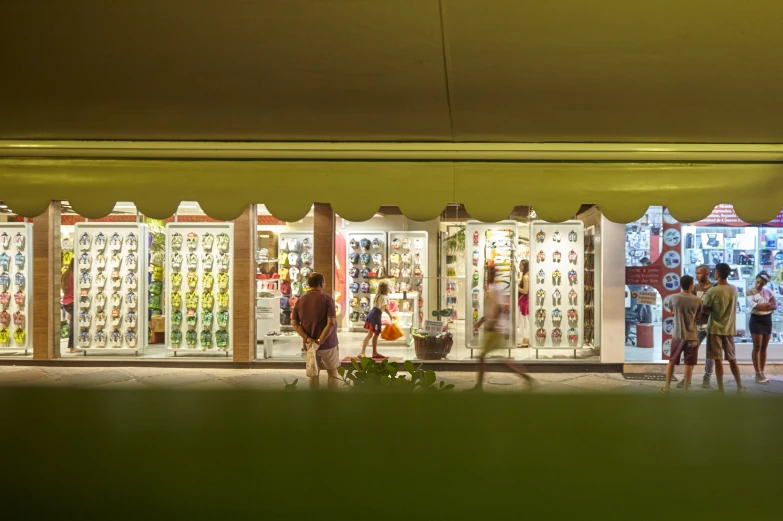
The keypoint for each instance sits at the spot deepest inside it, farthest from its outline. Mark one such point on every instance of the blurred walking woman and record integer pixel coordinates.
(66, 283)
(762, 303)
(523, 299)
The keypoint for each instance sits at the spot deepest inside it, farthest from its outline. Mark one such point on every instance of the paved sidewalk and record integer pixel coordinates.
(270, 379)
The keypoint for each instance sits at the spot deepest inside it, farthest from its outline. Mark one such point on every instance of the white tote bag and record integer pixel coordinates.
(312, 360)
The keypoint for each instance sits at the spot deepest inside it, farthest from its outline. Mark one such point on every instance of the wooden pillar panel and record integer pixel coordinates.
(47, 262)
(323, 244)
(244, 319)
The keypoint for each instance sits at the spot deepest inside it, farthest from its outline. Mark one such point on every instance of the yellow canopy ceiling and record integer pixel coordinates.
(356, 189)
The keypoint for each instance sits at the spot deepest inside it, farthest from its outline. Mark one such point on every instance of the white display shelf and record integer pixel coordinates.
(418, 245)
(26, 308)
(123, 231)
(214, 228)
(548, 249)
(358, 325)
(476, 262)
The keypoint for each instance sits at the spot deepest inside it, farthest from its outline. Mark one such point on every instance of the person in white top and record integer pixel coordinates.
(761, 302)
(374, 322)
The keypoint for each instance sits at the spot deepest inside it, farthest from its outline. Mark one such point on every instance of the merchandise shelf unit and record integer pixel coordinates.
(301, 245)
(408, 319)
(415, 244)
(557, 276)
(16, 269)
(180, 262)
(355, 259)
(485, 245)
(110, 274)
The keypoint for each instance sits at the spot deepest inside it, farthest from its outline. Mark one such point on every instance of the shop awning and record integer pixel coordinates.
(356, 189)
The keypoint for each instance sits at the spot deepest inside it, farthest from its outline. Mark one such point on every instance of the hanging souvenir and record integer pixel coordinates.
(19, 241)
(556, 277)
(132, 262)
(4, 337)
(572, 257)
(573, 315)
(85, 300)
(206, 338)
(100, 242)
(556, 297)
(5, 240)
(192, 260)
(116, 300)
(541, 237)
(354, 287)
(19, 336)
(85, 262)
(176, 337)
(541, 335)
(573, 296)
(208, 279)
(556, 256)
(100, 281)
(100, 318)
(364, 287)
(223, 262)
(84, 338)
(176, 241)
(540, 277)
(191, 300)
(557, 335)
(540, 297)
(5, 280)
(115, 338)
(572, 277)
(294, 245)
(222, 318)
(176, 261)
(130, 337)
(100, 300)
(191, 318)
(192, 241)
(221, 339)
(100, 262)
(5, 299)
(5, 318)
(206, 318)
(556, 237)
(573, 335)
(407, 258)
(307, 244)
(377, 258)
(191, 337)
(365, 243)
(130, 319)
(354, 244)
(541, 256)
(223, 280)
(207, 240)
(572, 236)
(19, 299)
(207, 261)
(223, 241)
(85, 280)
(207, 300)
(115, 242)
(85, 241)
(557, 317)
(176, 279)
(131, 280)
(406, 244)
(365, 258)
(540, 315)
(100, 338)
(293, 259)
(222, 300)
(116, 282)
(5, 261)
(176, 317)
(115, 318)
(131, 242)
(307, 258)
(192, 279)
(116, 261)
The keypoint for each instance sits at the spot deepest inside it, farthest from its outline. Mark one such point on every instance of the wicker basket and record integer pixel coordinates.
(432, 347)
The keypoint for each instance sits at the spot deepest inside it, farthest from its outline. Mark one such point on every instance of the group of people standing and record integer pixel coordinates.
(709, 310)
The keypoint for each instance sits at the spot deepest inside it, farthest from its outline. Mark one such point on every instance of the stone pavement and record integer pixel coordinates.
(270, 379)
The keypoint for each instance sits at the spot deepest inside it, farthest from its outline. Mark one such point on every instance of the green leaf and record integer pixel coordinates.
(341, 371)
(391, 370)
(355, 365)
(442, 383)
(449, 387)
(367, 362)
(409, 366)
(429, 377)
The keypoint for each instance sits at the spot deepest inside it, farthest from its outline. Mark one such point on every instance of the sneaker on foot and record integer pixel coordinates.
(760, 379)
(705, 384)
(681, 384)
(741, 390)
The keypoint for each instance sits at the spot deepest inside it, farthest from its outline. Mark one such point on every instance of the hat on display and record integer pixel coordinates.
(355, 316)
(365, 273)
(377, 258)
(407, 258)
(406, 244)
(395, 244)
(395, 258)
(293, 259)
(284, 273)
(293, 273)
(274, 276)
(365, 258)
(417, 271)
(365, 244)
(354, 258)
(365, 287)
(354, 244)
(354, 287)
(306, 243)
(406, 273)
(362, 317)
(283, 259)
(296, 289)
(305, 272)
(294, 245)
(364, 303)
(355, 302)
(376, 243)
(395, 272)
(307, 258)
(354, 273)
(417, 244)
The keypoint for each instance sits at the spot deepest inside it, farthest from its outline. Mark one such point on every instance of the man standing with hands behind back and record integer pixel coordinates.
(315, 319)
(721, 303)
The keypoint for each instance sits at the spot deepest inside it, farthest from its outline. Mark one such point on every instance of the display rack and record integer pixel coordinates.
(356, 268)
(416, 245)
(208, 333)
(486, 245)
(300, 264)
(17, 266)
(557, 302)
(590, 284)
(110, 294)
(452, 271)
(408, 314)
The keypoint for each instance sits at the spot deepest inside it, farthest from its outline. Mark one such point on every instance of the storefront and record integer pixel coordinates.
(219, 278)
(720, 237)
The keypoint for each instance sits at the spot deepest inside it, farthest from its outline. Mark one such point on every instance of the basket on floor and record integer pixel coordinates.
(432, 347)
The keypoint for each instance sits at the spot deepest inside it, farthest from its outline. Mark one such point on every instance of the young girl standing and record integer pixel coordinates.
(374, 324)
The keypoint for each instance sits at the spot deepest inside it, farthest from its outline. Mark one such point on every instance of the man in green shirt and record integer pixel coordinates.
(720, 302)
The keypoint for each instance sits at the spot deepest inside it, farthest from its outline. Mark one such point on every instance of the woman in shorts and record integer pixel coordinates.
(762, 303)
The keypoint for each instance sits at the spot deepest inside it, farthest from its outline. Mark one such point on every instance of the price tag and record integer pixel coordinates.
(433, 327)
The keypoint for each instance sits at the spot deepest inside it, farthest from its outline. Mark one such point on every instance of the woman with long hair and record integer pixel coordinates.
(67, 285)
(763, 304)
(523, 299)
(374, 322)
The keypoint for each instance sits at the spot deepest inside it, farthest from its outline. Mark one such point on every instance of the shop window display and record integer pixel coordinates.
(16, 280)
(720, 238)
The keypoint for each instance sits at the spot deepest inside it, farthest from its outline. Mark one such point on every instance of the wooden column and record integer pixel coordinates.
(323, 244)
(244, 319)
(47, 261)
